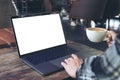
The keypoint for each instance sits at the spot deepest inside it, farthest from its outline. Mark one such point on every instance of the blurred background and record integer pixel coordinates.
(99, 10)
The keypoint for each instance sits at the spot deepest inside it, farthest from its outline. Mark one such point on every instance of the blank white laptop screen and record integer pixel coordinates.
(38, 32)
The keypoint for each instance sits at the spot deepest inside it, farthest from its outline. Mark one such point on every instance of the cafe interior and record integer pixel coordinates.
(76, 16)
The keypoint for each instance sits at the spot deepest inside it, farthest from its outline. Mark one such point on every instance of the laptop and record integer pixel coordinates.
(41, 42)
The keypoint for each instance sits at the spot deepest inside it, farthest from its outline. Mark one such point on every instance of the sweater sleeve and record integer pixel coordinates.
(85, 71)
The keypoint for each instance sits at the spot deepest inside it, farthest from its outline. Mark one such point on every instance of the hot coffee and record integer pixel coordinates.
(96, 34)
(97, 29)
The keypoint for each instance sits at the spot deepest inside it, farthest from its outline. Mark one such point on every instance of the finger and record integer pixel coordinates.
(68, 60)
(109, 36)
(108, 40)
(77, 60)
(74, 56)
(63, 64)
(113, 34)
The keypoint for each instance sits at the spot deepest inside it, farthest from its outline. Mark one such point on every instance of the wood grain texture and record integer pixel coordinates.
(6, 37)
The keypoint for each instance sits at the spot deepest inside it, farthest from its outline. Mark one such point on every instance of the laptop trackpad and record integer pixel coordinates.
(58, 61)
(46, 68)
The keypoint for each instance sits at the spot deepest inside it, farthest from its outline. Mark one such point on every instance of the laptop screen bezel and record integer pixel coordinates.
(31, 16)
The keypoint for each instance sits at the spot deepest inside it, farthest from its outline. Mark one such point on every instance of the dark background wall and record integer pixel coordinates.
(6, 11)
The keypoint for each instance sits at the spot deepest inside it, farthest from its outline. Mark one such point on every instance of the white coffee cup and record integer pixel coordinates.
(96, 34)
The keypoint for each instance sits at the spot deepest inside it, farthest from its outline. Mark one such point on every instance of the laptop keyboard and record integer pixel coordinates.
(46, 55)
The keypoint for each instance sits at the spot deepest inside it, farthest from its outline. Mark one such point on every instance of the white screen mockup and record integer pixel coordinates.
(38, 32)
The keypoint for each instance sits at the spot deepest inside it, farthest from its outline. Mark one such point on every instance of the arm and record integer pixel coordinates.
(104, 66)
(96, 67)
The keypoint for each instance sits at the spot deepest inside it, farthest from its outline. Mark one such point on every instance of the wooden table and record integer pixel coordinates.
(12, 68)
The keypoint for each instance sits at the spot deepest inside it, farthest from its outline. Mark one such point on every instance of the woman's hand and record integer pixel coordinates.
(111, 37)
(71, 65)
